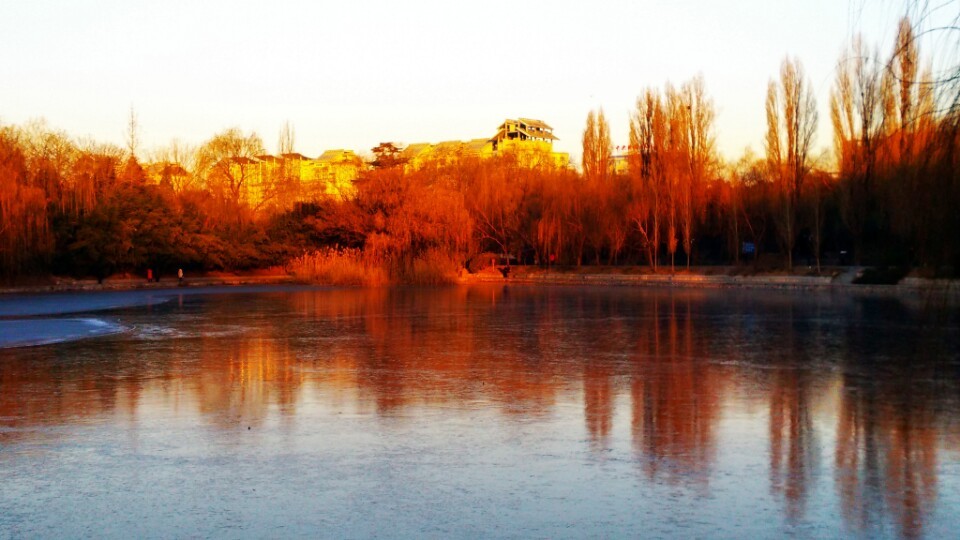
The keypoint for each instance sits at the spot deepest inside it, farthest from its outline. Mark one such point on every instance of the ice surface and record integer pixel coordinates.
(25, 332)
(24, 317)
(487, 412)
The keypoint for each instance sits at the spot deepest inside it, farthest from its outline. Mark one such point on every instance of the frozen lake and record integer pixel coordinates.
(484, 411)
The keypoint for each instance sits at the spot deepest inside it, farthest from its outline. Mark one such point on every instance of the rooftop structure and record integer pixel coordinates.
(531, 140)
(523, 129)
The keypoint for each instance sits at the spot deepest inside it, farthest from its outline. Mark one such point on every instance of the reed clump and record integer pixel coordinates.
(340, 266)
(433, 267)
(357, 268)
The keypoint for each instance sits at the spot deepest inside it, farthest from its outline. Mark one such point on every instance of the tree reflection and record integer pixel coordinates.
(793, 454)
(675, 395)
(886, 450)
(792, 444)
(536, 356)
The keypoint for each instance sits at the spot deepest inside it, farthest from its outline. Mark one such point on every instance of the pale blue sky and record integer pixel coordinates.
(352, 74)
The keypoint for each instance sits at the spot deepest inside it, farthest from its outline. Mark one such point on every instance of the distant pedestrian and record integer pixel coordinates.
(149, 275)
(180, 275)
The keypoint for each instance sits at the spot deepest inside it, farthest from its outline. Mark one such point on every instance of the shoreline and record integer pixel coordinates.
(701, 280)
(842, 281)
(61, 285)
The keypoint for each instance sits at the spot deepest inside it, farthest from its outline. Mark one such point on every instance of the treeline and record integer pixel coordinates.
(87, 209)
(888, 196)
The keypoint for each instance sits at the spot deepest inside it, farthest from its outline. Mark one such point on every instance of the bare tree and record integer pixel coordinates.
(286, 177)
(648, 138)
(228, 165)
(178, 161)
(856, 109)
(133, 134)
(791, 123)
(696, 118)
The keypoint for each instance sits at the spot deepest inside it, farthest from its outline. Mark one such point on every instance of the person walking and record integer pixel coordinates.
(180, 276)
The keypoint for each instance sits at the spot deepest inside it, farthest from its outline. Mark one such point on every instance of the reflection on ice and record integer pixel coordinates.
(550, 412)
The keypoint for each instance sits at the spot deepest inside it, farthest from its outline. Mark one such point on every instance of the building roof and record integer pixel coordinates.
(414, 150)
(502, 134)
(530, 122)
(448, 146)
(534, 129)
(243, 160)
(337, 155)
(475, 145)
(165, 167)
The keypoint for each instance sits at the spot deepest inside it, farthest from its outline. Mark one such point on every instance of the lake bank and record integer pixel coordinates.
(842, 279)
(57, 284)
(706, 277)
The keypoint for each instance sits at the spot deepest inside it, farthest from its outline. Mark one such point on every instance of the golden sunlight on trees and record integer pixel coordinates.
(895, 136)
(857, 115)
(422, 212)
(23, 219)
(671, 161)
(696, 122)
(173, 165)
(791, 124)
(226, 164)
(647, 166)
(597, 194)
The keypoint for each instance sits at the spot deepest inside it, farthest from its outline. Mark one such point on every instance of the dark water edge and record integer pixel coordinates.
(490, 411)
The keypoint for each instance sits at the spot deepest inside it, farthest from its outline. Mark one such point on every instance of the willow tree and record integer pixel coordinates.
(791, 124)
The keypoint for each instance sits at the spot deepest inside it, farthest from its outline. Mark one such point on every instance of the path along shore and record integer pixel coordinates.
(127, 284)
(841, 280)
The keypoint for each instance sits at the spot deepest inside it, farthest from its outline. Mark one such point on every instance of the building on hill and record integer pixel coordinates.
(334, 174)
(530, 140)
(480, 148)
(415, 154)
(167, 173)
(270, 181)
(523, 129)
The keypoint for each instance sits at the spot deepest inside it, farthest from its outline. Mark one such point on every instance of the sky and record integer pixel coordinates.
(350, 74)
